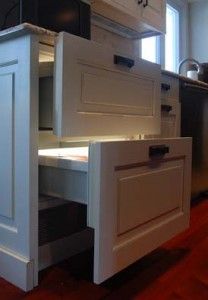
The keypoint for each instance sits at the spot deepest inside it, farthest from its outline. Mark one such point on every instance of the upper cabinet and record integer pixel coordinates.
(153, 13)
(143, 17)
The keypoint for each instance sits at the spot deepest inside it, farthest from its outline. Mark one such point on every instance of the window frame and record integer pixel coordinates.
(182, 7)
(178, 52)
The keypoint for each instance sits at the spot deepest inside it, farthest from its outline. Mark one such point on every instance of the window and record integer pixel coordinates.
(149, 49)
(172, 39)
(164, 50)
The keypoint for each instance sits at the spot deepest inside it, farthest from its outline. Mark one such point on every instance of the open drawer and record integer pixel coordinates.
(137, 193)
(139, 197)
(99, 92)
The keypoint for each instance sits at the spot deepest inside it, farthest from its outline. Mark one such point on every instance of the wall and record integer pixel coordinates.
(198, 14)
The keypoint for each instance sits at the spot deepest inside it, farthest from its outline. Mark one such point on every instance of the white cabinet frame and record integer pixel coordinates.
(19, 186)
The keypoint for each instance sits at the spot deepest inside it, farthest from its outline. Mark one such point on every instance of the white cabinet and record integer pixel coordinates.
(94, 85)
(137, 192)
(146, 17)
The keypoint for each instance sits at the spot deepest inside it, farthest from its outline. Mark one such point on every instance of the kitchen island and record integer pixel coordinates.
(133, 192)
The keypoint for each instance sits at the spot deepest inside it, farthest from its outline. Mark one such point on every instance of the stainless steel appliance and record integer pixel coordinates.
(194, 123)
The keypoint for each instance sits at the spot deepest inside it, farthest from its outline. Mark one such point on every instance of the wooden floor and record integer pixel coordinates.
(178, 270)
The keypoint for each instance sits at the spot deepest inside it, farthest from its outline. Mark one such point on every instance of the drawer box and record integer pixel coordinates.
(136, 198)
(63, 173)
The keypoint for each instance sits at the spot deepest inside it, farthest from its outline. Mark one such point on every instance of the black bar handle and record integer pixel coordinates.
(146, 3)
(158, 150)
(140, 2)
(165, 87)
(124, 61)
(166, 108)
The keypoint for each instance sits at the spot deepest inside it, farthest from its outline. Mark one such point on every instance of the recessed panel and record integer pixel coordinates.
(147, 195)
(107, 91)
(6, 145)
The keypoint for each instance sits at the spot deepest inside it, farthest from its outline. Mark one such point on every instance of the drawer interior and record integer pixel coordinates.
(63, 230)
(63, 173)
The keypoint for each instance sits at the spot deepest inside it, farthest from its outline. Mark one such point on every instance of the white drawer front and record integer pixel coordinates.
(136, 202)
(96, 95)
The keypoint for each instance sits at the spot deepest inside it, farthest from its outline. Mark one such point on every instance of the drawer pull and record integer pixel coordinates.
(166, 108)
(124, 61)
(158, 150)
(165, 87)
(140, 2)
(146, 4)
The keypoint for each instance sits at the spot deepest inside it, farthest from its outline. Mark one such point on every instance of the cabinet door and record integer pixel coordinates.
(153, 13)
(136, 202)
(111, 8)
(100, 93)
(143, 18)
(128, 5)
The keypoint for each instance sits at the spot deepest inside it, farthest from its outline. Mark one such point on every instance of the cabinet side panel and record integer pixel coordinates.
(6, 145)
(19, 160)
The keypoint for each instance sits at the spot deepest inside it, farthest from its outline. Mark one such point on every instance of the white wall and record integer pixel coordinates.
(199, 30)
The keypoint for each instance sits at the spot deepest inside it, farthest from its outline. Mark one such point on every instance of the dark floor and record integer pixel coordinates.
(178, 270)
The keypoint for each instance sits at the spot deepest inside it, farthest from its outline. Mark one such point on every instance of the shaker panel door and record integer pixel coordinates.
(139, 198)
(98, 92)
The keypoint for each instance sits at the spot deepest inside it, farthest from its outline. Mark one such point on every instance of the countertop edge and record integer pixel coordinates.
(184, 78)
(26, 28)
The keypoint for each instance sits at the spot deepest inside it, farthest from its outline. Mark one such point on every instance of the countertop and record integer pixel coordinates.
(185, 79)
(26, 28)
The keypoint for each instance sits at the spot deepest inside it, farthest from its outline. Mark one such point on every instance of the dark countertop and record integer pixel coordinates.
(185, 79)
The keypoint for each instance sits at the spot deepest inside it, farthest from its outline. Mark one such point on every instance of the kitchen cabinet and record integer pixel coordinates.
(133, 192)
(145, 17)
